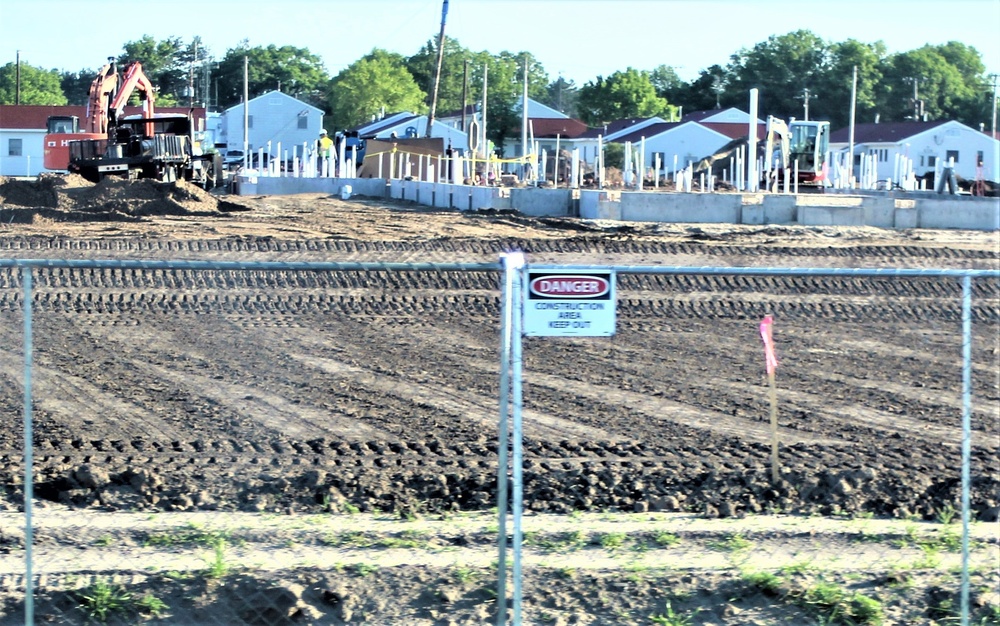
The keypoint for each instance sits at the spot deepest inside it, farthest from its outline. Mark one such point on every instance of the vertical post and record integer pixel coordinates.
(524, 124)
(854, 107)
(246, 113)
(517, 449)
(599, 163)
(503, 436)
(752, 150)
(555, 169)
(482, 144)
(29, 460)
(966, 438)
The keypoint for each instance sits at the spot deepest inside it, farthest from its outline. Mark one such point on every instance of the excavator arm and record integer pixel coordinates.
(103, 90)
(777, 130)
(134, 80)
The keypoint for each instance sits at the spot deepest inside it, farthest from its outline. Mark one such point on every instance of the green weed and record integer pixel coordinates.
(670, 617)
(151, 605)
(100, 600)
(217, 566)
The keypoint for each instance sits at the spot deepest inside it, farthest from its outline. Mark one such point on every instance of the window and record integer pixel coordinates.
(303, 122)
(882, 154)
(952, 154)
(14, 147)
(931, 161)
(249, 121)
(979, 157)
(661, 156)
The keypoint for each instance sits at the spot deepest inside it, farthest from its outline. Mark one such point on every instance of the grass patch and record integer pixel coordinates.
(612, 541)
(733, 542)
(190, 535)
(832, 604)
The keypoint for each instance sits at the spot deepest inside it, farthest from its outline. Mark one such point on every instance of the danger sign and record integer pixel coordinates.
(569, 304)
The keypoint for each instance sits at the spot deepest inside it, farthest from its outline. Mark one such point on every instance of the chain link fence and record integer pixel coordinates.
(283, 443)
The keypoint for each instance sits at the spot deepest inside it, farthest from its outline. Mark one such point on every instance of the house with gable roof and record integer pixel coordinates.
(929, 145)
(273, 118)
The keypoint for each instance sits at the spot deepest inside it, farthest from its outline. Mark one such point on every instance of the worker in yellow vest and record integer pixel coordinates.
(325, 148)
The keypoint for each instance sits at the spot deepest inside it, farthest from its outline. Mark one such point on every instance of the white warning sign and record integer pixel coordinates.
(558, 304)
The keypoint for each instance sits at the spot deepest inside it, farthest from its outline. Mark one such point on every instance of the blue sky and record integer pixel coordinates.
(579, 39)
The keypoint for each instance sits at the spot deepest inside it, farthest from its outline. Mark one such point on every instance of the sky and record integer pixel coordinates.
(577, 39)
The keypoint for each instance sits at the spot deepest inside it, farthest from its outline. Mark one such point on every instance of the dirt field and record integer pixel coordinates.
(320, 448)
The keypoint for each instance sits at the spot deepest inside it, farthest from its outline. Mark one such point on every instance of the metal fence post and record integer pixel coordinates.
(518, 448)
(507, 307)
(29, 460)
(966, 438)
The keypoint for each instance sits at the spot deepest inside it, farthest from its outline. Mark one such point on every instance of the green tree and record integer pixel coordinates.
(782, 68)
(708, 91)
(162, 63)
(76, 85)
(505, 85)
(295, 71)
(949, 84)
(667, 83)
(562, 95)
(621, 95)
(38, 86)
(423, 65)
(835, 85)
(375, 81)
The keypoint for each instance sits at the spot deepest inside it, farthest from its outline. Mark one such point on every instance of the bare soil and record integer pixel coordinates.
(258, 447)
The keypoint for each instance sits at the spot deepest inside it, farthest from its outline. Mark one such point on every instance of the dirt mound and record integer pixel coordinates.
(29, 193)
(143, 197)
(76, 199)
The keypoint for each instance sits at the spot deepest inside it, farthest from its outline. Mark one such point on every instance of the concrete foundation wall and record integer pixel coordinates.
(542, 202)
(964, 213)
(598, 205)
(881, 210)
(831, 216)
(684, 208)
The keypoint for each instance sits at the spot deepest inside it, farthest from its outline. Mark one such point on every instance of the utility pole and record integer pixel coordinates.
(805, 97)
(918, 105)
(437, 74)
(194, 60)
(994, 127)
(465, 95)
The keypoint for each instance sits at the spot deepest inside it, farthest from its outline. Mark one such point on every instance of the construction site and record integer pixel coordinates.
(222, 447)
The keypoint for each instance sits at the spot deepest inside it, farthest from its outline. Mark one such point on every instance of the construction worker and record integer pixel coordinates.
(325, 147)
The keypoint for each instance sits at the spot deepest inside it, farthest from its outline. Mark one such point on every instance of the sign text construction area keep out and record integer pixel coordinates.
(569, 303)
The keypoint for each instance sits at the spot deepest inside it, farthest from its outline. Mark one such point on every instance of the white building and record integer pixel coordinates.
(274, 118)
(676, 143)
(929, 145)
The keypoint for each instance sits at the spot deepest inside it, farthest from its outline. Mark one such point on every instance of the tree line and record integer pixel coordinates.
(794, 72)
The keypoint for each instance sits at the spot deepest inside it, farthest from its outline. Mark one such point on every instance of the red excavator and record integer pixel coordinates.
(161, 147)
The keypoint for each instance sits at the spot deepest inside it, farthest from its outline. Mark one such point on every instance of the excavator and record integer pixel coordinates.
(802, 152)
(161, 147)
